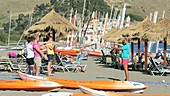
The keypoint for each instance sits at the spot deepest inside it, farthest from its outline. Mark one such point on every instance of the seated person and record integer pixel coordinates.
(72, 60)
(68, 58)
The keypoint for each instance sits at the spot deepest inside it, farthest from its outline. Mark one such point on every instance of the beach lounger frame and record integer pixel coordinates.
(64, 66)
(106, 59)
(18, 64)
(154, 68)
(5, 66)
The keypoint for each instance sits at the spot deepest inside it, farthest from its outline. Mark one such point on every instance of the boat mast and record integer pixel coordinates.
(82, 25)
(123, 16)
(83, 10)
(9, 32)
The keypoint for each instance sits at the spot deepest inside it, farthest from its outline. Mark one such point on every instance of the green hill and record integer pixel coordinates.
(137, 7)
(17, 7)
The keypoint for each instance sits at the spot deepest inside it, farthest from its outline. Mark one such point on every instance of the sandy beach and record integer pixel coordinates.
(93, 71)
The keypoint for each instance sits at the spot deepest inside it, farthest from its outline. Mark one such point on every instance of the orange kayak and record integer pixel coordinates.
(67, 52)
(29, 85)
(102, 93)
(126, 86)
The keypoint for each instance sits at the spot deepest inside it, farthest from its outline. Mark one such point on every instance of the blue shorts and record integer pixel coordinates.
(50, 57)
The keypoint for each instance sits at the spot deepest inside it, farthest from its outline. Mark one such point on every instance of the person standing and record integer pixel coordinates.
(50, 53)
(38, 53)
(30, 55)
(125, 48)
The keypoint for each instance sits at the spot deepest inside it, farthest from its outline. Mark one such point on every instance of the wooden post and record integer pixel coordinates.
(132, 52)
(53, 33)
(138, 48)
(146, 52)
(114, 49)
(165, 47)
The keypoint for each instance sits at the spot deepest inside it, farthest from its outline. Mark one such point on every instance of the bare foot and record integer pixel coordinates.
(50, 74)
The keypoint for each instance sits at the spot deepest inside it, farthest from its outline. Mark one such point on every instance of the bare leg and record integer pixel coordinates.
(29, 69)
(125, 66)
(49, 68)
(32, 69)
(37, 70)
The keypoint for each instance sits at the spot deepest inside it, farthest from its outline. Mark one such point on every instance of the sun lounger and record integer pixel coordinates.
(64, 66)
(106, 59)
(154, 68)
(4, 65)
(18, 64)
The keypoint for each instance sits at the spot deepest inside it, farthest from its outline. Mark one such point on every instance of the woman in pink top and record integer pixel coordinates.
(38, 53)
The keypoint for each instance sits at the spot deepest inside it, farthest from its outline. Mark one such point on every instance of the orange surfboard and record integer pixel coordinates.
(29, 85)
(126, 86)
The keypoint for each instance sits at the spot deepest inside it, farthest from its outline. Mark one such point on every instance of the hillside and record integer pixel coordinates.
(144, 7)
(17, 7)
(137, 7)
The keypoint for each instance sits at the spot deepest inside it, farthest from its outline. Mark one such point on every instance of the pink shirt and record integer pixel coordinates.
(36, 53)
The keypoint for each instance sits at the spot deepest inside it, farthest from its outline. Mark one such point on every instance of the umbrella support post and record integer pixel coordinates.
(138, 49)
(132, 52)
(146, 59)
(165, 47)
(53, 33)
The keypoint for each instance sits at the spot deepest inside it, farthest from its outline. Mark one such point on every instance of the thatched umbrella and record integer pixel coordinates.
(109, 33)
(161, 29)
(159, 32)
(52, 22)
(133, 33)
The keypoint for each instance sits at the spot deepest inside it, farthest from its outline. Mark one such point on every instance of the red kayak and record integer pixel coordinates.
(93, 53)
(67, 52)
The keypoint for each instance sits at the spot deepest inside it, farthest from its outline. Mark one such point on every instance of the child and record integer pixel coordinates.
(30, 55)
(50, 53)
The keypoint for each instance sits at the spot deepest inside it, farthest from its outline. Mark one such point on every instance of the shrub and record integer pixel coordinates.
(3, 36)
(135, 17)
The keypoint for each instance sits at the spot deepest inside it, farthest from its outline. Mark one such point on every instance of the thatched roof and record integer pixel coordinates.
(132, 32)
(158, 31)
(139, 29)
(109, 33)
(145, 30)
(52, 21)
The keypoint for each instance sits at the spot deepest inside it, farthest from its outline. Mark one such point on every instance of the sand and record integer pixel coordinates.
(154, 83)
